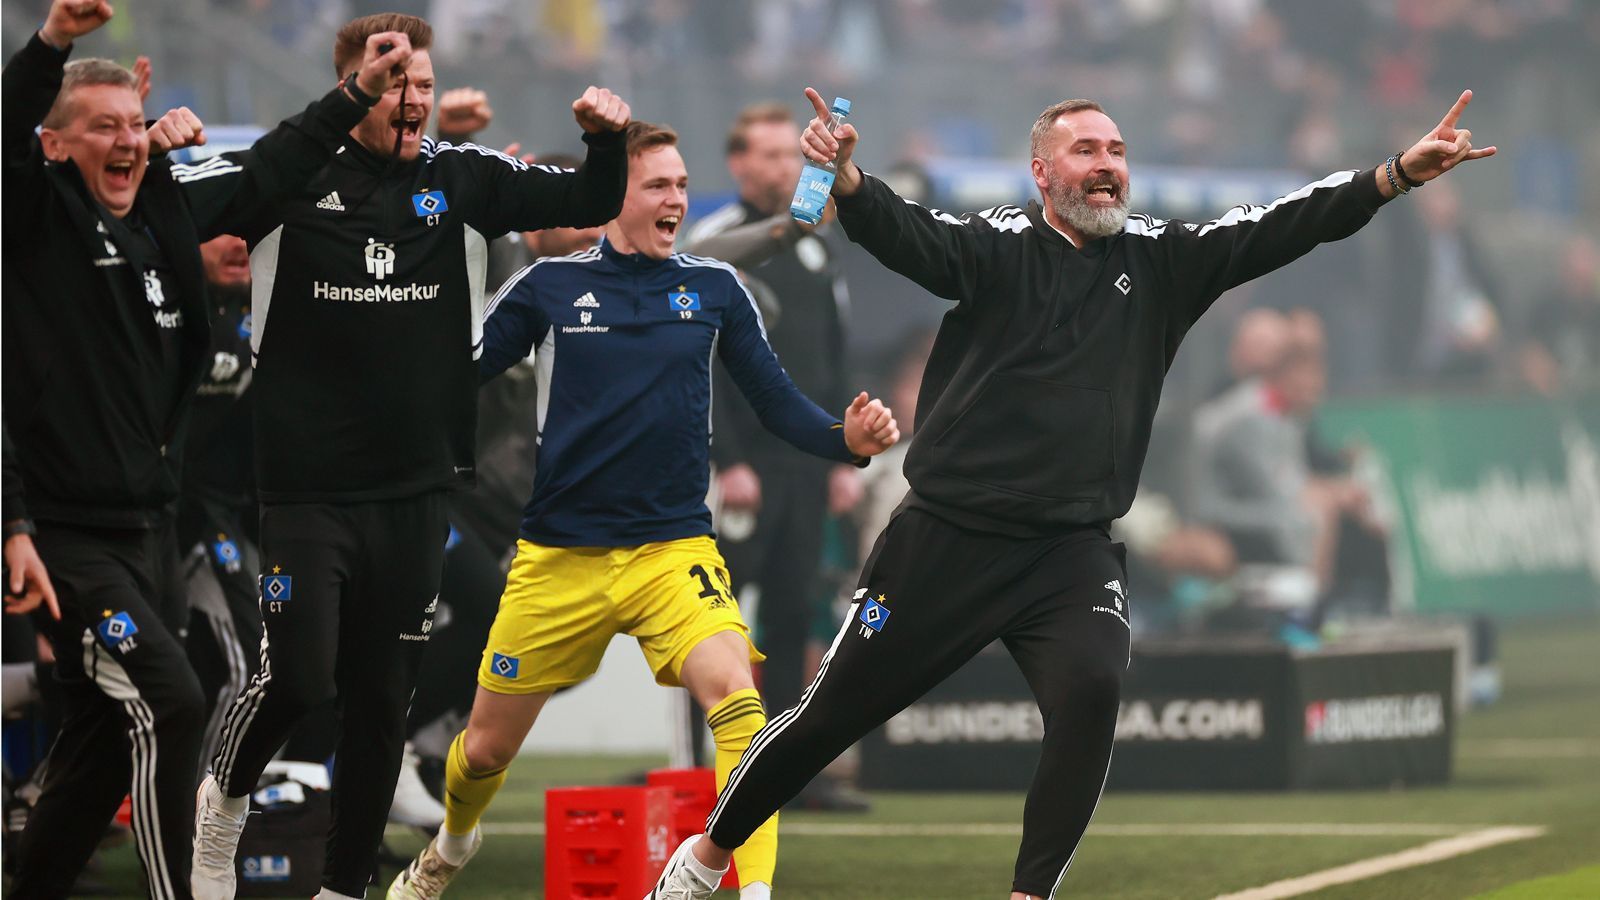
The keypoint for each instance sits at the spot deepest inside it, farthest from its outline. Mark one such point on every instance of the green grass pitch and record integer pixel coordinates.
(1533, 759)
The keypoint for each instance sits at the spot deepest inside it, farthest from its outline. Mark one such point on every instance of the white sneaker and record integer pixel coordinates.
(429, 874)
(216, 838)
(679, 881)
(412, 804)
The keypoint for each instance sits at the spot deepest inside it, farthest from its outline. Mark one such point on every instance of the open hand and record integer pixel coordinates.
(177, 129)
(72, 19)
(1443, 148)
(600, 110)
(464, 112)
(141, 77)
(869, 427)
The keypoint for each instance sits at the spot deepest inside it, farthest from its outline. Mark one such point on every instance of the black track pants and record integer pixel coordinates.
(931, 596)
(348, 593)
(132, 711)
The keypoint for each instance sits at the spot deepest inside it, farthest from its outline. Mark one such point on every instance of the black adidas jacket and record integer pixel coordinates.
(86, 386)
(1035, 410)
(368, 303)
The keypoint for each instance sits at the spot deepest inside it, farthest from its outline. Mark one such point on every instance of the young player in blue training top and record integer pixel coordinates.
(617, 536)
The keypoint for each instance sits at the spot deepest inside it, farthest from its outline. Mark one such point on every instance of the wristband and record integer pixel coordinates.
(18, 526)
(1400, 170)
(1388, 171)
(356, 93)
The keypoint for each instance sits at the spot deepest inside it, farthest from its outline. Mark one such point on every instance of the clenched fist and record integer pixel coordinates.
(177, 129)
(869, 427)
(600, 110)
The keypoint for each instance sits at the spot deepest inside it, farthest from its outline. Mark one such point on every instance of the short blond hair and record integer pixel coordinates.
(350, 43)
(644, 136)
(767, 112)
(1040, 137)
(82, 73)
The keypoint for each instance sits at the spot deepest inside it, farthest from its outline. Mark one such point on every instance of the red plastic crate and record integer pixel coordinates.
(605, 842)
(694, 795)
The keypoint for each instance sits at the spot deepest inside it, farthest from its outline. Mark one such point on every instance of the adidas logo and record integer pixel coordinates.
(331, 202)
(1115, 587)
(587, 301)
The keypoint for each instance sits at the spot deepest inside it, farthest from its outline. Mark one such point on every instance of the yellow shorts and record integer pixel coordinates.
(562, 606)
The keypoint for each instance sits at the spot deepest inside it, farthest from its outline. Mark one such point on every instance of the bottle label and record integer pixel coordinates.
(811, 194)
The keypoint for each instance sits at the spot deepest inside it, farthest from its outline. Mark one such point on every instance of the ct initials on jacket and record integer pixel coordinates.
(368, 294)
(623, 354)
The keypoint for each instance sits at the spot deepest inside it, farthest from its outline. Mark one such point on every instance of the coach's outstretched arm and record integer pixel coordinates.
(226, 192)
(1434, 154)
(1247, 242)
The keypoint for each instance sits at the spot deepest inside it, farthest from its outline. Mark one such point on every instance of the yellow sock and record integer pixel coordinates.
(466, 793)
(733, 723)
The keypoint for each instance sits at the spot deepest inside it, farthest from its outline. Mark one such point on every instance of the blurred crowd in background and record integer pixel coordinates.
(1486, 284)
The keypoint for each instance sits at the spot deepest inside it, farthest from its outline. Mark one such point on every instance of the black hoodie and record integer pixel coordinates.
(1035, 410)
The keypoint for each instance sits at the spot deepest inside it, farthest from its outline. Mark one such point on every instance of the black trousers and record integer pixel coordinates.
(470, 594)
(348, 593)
(219, 570)
(132, 711)
(931, 596)
(783, 556)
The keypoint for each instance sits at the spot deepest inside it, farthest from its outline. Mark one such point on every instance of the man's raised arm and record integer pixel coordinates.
(1249, 241)
(225, 192)
(935, 249)
(529, 197)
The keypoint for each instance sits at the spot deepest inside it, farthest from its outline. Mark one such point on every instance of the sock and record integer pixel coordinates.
(331, 894)
(733, 723)
(755, 890)
(466, 796)
(708, 876)
(238, 807)
(453, 848)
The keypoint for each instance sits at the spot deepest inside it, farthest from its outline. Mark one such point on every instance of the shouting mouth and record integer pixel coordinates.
(1105, 193)
(119, 173)
(667, 227)
(408, 128)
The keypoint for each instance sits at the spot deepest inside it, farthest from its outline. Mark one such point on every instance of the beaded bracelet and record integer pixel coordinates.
(1388, 170)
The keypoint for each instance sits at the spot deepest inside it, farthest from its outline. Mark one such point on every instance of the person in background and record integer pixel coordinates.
(791, 496)
(1561, 347)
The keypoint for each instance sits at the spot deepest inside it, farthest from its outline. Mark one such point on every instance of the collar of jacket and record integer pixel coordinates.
(1054, 238)
(356, 156)
(635, 262)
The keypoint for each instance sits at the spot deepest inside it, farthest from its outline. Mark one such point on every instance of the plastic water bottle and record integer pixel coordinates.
(811, 194)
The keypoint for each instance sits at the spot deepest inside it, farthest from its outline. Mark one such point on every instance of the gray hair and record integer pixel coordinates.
(1040, 136)
(82, 73)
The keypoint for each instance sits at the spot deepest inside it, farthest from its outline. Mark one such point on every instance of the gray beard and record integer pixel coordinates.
(1093, 222)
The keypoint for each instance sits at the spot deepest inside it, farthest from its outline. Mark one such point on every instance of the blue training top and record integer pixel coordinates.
(623, 346)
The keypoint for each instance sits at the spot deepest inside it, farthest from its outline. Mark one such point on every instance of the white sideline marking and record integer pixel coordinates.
(1531, 748)
(975, 829)
(1421, 855)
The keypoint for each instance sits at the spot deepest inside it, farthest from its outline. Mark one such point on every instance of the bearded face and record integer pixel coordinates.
(1083, 174)
(1095, 207)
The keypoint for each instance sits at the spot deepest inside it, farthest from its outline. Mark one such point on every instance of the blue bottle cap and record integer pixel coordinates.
(841, 106)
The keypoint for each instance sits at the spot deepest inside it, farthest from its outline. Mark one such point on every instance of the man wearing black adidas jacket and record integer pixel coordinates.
(1032, 425)
(105, 335)
(368, 298)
